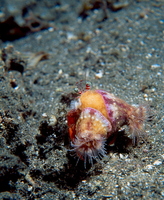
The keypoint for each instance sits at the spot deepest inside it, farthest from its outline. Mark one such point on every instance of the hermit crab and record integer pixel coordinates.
(96, 115)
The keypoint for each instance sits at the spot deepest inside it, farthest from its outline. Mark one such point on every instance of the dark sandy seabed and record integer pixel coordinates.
(48, 46)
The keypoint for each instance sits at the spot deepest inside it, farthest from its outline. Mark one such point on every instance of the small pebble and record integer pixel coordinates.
(161, 21)
(162, 193)
(52, 120)
(157, 162)
(44, 115)
(149, 55)
(154, 66)
(148, 168)
(123, 156)
(99, 74)
(51, 29)
(30, 188)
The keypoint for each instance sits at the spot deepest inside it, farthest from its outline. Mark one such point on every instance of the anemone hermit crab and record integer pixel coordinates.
(95, 116)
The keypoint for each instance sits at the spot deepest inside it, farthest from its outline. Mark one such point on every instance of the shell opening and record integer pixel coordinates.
(91, 133)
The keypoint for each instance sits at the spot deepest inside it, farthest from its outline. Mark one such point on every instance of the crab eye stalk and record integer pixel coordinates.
(88, 85)
(76, 90)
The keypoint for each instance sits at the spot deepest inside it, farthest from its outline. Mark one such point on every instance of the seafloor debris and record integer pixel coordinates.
(14, 60)
(113, 5)
(11, 30)
(35, 58)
